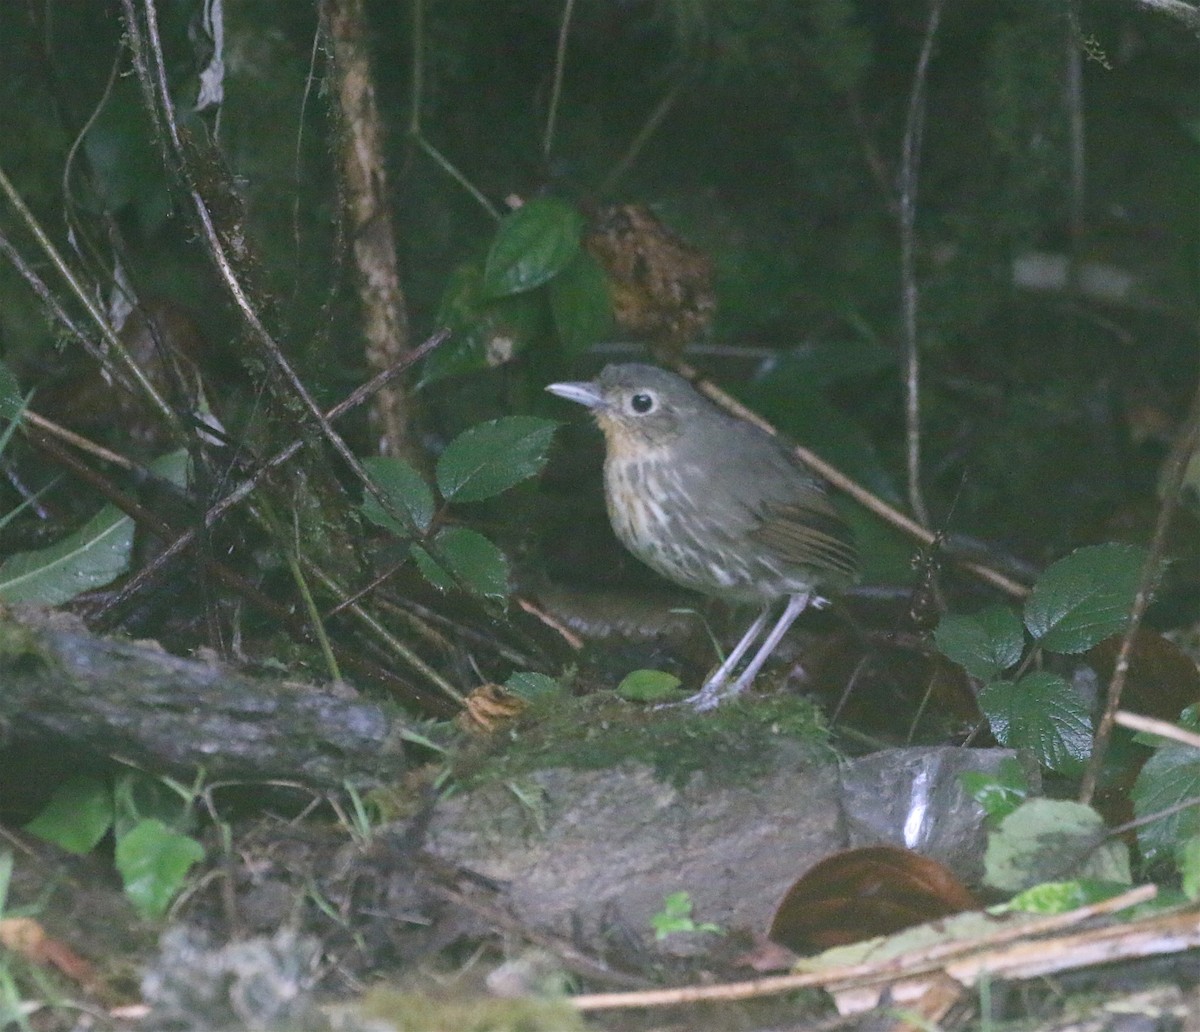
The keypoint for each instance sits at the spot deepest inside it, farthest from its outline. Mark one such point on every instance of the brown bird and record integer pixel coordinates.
(714, 504)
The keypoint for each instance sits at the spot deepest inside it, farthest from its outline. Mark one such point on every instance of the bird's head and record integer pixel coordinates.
(637, 406)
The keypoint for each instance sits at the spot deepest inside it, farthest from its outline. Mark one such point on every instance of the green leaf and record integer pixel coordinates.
(1169, 777)
(486, 333)
(404, 487)
(1042, 713)
(580, 303)
(649, 686)
(1085, 597)
(985, 645)
(1187, 859)
(529, 685)
(467, 557)
(77, 817)
(1047, 839)
(153, 862)
(533, 244)
(12, 401)
(1000, 793)
(1064, 896)
(491, 457)
(93, 556)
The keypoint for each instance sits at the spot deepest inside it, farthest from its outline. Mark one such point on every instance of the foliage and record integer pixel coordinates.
(1075, 604)
(676, 916)
(153, 851)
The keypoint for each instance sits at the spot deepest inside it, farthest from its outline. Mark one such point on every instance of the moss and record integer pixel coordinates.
(735, 743)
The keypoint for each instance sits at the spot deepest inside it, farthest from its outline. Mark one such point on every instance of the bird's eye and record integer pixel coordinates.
(642, 403)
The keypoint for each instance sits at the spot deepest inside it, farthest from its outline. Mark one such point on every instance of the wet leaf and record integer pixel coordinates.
(492, 457)
(1000, 793)
(77, 817)
(465, 556)
(1085, 597)
(985, 644)
(153, 861)
(404, 487)
(649, 686)
(1049, 839)
(533, 244)
(861, 893)
(1169, 777)
(1041, 713)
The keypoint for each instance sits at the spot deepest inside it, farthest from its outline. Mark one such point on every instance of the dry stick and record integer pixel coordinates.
(560, 62)
(164, 118)
(933, 958)
(1186, 442)
(1153, 726)
(655, 119)
(44, 294)
(843, 483)
(149, 572)
(909, 297)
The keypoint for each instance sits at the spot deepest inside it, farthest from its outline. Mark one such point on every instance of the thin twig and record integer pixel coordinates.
(1154, 726)
(909, 171)
(219, 508)
(154, 82)
(1186, 442)
(560, 63)
(648, 129)
(85, 299)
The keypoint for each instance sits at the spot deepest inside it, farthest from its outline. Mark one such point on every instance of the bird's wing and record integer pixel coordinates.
(809, 533)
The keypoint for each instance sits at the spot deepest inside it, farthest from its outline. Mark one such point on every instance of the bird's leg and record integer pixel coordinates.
(714, 688)
(706, 699)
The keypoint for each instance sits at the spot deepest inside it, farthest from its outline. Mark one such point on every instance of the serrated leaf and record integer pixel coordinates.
(77, 817)
(1000, 793)
(153, 861)
(404, 487)
(1085, 597)
(649, 686)
(532, 245)
(529, 684)
(1169, 777)
(1041, 713)
(580, 303)
(467, 557)
(1047, 839)
(491, 457)
(985, 644)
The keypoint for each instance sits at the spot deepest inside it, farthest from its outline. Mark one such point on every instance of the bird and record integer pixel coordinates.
(715, 504)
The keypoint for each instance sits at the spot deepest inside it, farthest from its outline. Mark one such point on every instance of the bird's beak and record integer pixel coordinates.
(582, 392)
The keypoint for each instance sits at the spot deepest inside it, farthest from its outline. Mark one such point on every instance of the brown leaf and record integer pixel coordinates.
(861, 893)
(1162, 678)
(489, 708)
(27, 937)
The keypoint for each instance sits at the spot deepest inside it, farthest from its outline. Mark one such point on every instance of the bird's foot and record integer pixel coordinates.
(712, 695)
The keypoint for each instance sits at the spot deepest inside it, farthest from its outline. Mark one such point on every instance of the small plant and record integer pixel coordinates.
(153, 852)
(676, 916)
(1077, 603)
